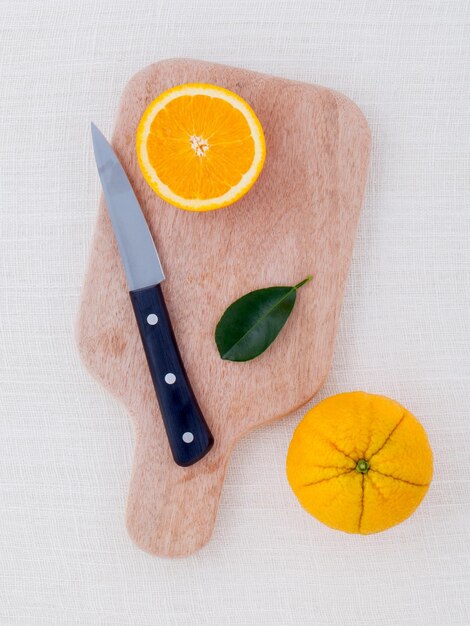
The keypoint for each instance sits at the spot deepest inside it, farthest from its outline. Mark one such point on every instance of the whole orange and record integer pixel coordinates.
(359, 463)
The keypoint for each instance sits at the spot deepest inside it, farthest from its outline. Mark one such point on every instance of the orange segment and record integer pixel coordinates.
(386, 498)
(398, 456)
(200, 147)
(336, 498)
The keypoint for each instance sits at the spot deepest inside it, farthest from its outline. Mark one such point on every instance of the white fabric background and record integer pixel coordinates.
(66, 446)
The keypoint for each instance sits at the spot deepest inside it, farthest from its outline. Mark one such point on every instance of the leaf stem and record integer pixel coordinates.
(302, 282)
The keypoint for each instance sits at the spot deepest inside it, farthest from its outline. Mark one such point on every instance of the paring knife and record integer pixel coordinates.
(188, 434)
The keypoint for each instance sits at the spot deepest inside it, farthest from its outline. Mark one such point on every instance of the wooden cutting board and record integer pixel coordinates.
(299, 218)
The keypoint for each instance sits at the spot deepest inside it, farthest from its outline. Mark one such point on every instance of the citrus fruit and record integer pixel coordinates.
(359, 462)
(200, 147)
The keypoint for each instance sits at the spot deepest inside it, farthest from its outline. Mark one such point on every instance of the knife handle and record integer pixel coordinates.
(188, 434)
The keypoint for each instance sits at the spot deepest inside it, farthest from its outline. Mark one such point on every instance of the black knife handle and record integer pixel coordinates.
(188, 434)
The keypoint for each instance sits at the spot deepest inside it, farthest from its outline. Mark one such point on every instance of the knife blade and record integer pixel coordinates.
(188, 434)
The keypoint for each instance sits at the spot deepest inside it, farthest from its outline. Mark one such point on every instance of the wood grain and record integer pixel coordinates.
(300, 218)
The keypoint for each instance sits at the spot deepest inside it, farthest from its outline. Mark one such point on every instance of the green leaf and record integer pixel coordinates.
(252, 323)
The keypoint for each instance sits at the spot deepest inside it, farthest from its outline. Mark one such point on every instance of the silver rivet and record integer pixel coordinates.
(170, 378)
(188, 437)
(152, 319)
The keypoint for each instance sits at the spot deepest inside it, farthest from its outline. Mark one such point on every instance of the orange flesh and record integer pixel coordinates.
(200, 146)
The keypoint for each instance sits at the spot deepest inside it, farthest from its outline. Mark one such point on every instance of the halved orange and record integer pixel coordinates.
(200, 147)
